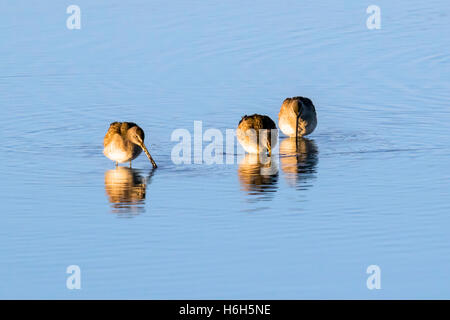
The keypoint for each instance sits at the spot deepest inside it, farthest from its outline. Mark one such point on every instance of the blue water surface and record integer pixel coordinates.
(369, 187)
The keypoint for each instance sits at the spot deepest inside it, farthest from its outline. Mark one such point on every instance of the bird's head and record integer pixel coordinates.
(136, 136)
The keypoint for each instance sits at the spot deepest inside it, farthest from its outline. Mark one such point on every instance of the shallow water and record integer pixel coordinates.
(369, 186)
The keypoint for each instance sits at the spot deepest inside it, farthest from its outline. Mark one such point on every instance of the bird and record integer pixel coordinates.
(297, 117)
(257, 133)
(124, 141)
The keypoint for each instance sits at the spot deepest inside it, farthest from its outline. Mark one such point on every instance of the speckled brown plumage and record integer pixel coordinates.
(257, 123)
(124, 141)
(121, 129)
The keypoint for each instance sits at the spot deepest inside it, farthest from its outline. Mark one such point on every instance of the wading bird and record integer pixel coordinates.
(297, 117)
(256, 133)
(124, 142)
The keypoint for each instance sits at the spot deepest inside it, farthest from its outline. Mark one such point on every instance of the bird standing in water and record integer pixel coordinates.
(124, 142)
(255, 131)
(297, 117)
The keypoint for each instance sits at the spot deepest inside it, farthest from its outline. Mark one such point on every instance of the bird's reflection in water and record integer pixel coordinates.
(258, 177)
(126, 188)
(299, 158)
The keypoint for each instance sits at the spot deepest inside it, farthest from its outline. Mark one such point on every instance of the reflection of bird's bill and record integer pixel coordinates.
(259, 164)
(270, 170)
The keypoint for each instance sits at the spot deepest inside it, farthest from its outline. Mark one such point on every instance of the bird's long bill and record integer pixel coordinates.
(148, 155)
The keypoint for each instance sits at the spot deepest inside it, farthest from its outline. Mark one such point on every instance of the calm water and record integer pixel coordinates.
(370, 185)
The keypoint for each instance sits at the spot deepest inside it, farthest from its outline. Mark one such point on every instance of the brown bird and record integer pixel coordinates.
(255, 131)
(124, 142)
(297, 117)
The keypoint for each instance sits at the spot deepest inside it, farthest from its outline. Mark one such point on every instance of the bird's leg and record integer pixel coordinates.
(130, 164)
(117, 164)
